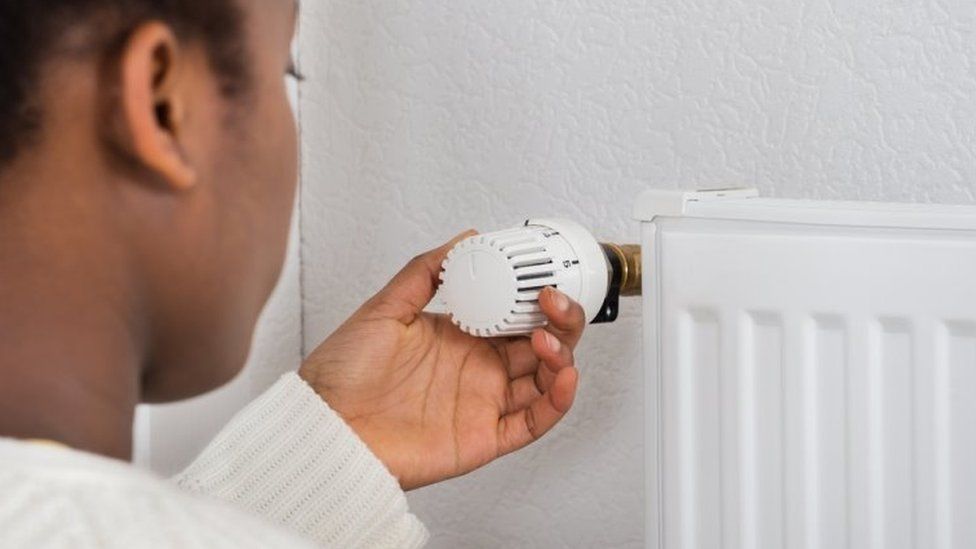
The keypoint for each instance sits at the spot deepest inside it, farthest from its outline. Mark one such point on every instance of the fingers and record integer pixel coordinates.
(553, 355)
(542, 371)
(535, 403)
(548, 351)
(552, 346)
(517, 354)
(566, 317)
(521, 393)
(518, 429)
(414, 286)
(522, 356)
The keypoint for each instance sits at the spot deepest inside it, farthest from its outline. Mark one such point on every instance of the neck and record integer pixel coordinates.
(70, 350)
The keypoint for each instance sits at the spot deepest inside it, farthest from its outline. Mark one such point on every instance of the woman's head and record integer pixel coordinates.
(158, 133)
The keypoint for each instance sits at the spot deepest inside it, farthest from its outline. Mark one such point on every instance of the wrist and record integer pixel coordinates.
(358, 425)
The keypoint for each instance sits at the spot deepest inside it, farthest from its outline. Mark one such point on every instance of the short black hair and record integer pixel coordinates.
(32, 31)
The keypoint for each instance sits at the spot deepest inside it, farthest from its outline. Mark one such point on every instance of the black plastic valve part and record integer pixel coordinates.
(611, 305)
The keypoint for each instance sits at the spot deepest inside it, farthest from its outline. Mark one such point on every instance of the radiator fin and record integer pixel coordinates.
(810, 387)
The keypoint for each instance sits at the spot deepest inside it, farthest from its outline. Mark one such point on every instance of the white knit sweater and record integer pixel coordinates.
(285, 472)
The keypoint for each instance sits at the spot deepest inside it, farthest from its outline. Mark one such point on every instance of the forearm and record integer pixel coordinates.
(288, 457)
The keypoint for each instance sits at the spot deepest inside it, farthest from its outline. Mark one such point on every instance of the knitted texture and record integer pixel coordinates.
(304, 476)
(289, 457)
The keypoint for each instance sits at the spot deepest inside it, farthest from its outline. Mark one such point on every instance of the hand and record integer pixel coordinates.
(433, 402)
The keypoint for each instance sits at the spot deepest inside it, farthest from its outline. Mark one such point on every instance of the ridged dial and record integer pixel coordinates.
(491, 282)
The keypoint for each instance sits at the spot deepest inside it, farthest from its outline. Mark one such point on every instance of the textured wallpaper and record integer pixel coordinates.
(422, 118)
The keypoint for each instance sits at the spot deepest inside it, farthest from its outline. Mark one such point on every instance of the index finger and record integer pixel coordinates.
(520, 428)
(566, 317)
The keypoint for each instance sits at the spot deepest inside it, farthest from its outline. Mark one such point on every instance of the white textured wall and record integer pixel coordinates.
(422, 118)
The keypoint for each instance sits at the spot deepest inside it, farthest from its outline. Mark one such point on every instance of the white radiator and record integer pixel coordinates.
(811, 373)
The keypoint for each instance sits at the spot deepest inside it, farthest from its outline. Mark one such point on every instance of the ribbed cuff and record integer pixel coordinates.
(290, 458)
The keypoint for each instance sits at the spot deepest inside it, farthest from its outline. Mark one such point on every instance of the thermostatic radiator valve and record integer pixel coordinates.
(491, 282)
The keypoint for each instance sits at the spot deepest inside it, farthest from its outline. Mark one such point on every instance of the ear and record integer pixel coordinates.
(152, 103)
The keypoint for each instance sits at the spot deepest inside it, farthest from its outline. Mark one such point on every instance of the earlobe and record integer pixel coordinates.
(151, 106)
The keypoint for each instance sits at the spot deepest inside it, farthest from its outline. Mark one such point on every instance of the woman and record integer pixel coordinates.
(147, 176)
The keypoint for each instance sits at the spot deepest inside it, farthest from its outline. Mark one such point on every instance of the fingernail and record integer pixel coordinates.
(560, 300)
(553, 343)
(462, 235)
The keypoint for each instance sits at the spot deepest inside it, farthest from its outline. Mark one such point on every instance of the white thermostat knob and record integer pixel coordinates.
(491, 282)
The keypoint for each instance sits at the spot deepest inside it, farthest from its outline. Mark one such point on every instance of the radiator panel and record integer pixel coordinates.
(810, 385)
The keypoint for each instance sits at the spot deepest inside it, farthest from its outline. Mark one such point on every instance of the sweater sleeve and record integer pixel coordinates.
(290, 458)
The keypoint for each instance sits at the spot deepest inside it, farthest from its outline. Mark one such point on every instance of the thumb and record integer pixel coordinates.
(414, 286)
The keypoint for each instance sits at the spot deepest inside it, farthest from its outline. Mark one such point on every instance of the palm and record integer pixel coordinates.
(431, 401)
(428, 395)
